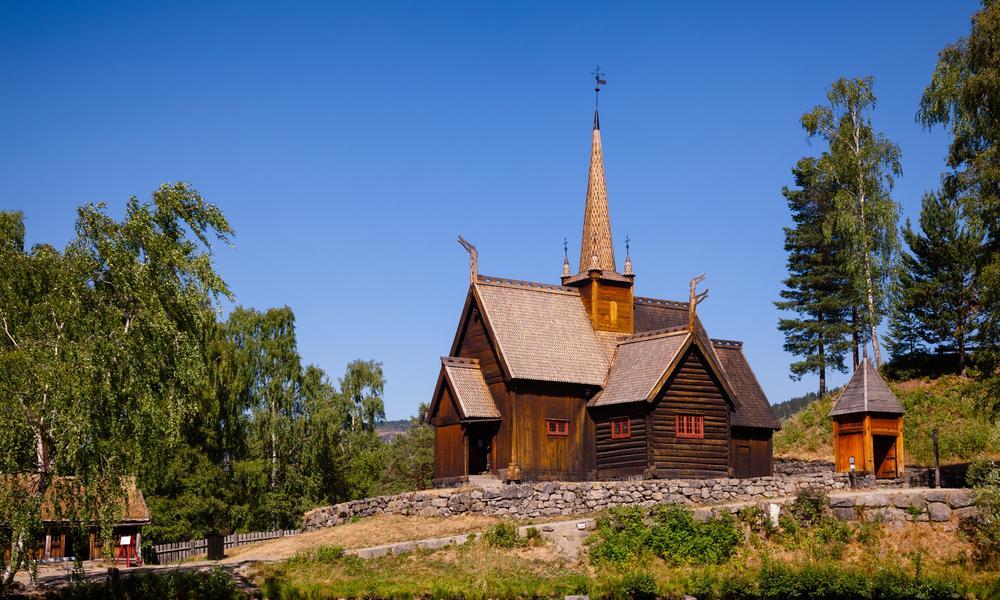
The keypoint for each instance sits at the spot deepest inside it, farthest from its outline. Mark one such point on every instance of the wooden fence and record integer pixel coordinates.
(178, 551)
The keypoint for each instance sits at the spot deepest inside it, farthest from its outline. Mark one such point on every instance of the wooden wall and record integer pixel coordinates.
(449, 451)
(691, 390)
(545, 457)
(621, 457)
(598, 296)
(750, 452)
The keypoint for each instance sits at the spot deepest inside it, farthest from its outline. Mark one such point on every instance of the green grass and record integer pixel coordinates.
(956, 407)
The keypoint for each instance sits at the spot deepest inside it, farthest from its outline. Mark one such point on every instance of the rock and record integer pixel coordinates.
(873, 500)
(548, 487)
(841, 501)
(961, 499)
(845, 514)
(938, 511)
(968, 512)
(907, 500)
(937, 496)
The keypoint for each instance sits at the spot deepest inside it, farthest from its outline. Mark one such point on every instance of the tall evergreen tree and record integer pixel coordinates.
(938, 300)
(816, 281)
(964, 96)
(863, 165)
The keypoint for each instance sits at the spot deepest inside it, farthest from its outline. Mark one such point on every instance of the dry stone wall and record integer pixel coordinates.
(542, 499)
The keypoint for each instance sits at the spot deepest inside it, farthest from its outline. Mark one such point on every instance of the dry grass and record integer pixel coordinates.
(372, 531)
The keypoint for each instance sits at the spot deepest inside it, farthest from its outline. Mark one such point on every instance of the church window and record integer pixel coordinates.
(690, 426)
(557, 427)
(621, 428)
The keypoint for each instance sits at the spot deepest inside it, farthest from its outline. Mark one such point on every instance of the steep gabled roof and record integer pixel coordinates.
(468, 387)
(542, 332)
(866, 392)
(754, 410)
(645, 361)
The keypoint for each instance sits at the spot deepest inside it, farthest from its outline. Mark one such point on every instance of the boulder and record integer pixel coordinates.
(938, 511)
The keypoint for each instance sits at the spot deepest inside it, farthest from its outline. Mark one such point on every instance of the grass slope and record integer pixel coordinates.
(956, 407)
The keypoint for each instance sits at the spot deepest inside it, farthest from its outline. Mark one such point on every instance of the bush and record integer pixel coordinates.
(809, 506)
(671, 534)
(983, 473)
(216, 584)
(328, 554)
(501, 535)
(637, 585)
(984, 530)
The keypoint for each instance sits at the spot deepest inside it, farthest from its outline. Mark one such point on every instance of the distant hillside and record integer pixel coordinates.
(390, 429)
(793, 405)
(954, 406)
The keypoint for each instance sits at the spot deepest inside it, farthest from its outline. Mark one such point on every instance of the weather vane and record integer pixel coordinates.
(598, 82)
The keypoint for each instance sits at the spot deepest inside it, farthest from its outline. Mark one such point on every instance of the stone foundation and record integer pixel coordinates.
(792, 466)
(542, 499)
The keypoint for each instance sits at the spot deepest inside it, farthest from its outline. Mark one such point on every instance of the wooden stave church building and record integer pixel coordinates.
(585, 380)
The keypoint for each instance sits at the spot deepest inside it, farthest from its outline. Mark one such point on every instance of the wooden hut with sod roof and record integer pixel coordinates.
(868, 426)
(585, 380)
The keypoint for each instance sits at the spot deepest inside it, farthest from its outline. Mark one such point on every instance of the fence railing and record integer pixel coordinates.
(178, 551)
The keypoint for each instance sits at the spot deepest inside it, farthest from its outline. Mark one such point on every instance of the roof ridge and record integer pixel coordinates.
(458, 361)
(655, 333)
(727, 343)
(660, 302)
(531, 285)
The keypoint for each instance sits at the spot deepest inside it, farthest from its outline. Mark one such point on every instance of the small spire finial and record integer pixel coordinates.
(565, 270)
(628, 258)
(695, 299)
(598, 82)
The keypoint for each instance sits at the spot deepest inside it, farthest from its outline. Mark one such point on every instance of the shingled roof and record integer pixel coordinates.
(469, 388)
(639, 364)
(866, 392)
(542, 331)
(64, 496)
(754, 409)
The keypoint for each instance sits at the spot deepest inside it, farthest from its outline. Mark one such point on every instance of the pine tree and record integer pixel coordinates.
(938, 299)
(816, 281)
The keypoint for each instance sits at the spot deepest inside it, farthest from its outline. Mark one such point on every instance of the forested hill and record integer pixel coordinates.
(793, 405)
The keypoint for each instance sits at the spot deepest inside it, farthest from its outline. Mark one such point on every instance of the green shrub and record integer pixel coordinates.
(983, 473)
(984, 530)
(809, 506)
(501, 535)
(636, 585)
(532, 537)
(216, 584)
(671, 534)
(328, 554)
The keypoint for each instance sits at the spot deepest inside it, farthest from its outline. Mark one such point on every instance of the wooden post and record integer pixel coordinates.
(869, 446)
(900, 459)
(838, 465)
(937, 464)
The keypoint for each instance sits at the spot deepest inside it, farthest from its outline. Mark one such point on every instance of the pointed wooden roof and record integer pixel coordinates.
(465, 380)
(866, 392)
(596, 250)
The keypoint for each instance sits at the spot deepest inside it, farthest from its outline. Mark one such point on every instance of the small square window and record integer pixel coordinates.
(621, 428)
(559, 427)
(690, 426)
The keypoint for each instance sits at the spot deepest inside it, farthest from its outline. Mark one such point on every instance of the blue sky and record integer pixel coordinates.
(349, 144)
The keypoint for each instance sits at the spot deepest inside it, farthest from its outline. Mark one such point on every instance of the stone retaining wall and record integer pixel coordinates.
(792, 466)
(543, 499)
(936, 506)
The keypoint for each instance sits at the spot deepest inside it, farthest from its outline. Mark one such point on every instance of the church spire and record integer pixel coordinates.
(596, 218)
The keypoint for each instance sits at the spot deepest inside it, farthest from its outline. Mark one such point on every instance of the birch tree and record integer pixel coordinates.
(100, 352)
(863, 165)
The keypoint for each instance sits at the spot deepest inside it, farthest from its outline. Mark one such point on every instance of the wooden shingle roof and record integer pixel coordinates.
(542, 331)
(866, 392)
(639, 365)
(469, 388)
(65, 494)
(754, 409)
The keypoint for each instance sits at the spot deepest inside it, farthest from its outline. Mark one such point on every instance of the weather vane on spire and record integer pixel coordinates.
(598, 82)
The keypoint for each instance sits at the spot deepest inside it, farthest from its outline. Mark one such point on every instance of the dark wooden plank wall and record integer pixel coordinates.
(750, 452)
(449, 451)
(620, 457)
(545, 457)
(692, 390)
(597, 298)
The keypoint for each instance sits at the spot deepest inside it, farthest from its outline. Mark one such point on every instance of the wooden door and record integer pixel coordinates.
(480, 449)
(743, 466)
(884, 450)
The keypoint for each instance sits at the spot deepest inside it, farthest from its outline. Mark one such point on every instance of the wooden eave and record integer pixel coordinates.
(473, 296)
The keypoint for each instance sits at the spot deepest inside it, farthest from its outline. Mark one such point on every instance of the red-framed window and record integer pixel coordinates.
(558, 427)
(690, 426)
(621, 428)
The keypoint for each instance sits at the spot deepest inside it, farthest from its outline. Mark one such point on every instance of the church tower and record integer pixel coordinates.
(607, 294)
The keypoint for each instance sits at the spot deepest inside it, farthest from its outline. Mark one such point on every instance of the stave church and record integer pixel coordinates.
(585, 380)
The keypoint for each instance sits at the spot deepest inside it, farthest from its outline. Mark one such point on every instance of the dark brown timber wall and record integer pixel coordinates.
(751, 452)
(551, 457)
(623, 456)
(691, 390)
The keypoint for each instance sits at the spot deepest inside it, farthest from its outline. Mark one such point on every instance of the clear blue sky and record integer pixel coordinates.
(350, 143)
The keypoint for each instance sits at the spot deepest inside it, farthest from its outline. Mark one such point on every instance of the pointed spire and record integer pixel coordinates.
(628, 259)
(596, 219)
(565, 271)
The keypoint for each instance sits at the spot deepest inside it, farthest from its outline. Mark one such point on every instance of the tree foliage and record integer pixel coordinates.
(816, 287)
(862, 165)
(938, 300)
(964, 96)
